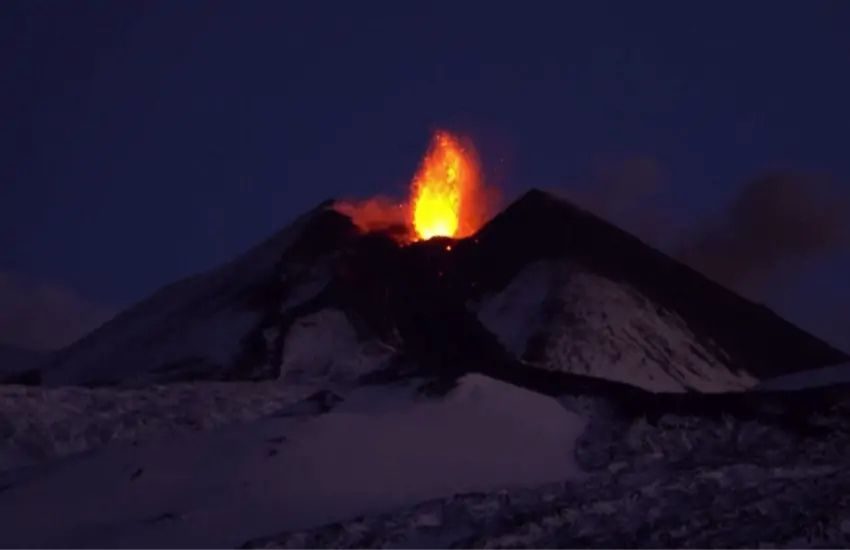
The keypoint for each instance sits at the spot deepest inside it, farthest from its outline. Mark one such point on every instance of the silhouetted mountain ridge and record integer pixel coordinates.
(544, 286)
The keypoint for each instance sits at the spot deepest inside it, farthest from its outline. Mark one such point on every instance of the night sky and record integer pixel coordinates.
(145, 141)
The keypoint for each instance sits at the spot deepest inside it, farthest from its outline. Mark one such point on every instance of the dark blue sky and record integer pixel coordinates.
(143, 141)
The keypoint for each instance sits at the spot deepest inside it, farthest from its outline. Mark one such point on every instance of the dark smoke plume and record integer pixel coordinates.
(775, 221)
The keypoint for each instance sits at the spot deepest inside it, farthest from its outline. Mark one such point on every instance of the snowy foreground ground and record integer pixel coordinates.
(217, 465)
(676, 482)
(380, 449)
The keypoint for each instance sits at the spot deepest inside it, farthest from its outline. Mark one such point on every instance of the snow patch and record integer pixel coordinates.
(325, 345)
(594, 326)
(515, 313)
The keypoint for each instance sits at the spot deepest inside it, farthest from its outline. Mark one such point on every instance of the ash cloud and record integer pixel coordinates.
(775, 222)
(44, 316)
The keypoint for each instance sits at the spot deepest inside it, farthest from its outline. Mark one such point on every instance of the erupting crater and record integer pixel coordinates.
(447, 197)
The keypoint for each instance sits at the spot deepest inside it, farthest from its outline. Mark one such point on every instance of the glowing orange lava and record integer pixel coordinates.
(446, 190)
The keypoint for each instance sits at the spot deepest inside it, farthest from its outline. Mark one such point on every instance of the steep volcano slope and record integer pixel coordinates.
(543, 285)
(568, 291)
(204, 326)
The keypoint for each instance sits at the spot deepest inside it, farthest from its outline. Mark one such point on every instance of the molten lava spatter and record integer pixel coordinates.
(443, 199)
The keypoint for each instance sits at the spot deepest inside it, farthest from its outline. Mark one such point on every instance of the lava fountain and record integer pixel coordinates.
(447, 197)
(446, 193)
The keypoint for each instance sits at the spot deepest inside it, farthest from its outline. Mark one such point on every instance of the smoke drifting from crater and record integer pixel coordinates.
(776, 221)
(376, 213)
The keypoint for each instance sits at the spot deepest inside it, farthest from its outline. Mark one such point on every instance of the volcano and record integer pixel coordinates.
(545, 381)
(544, 288)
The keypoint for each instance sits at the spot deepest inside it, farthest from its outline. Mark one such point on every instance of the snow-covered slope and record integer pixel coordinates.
(618, 299)
(563, 317)
(195, 328)
(381, 448)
